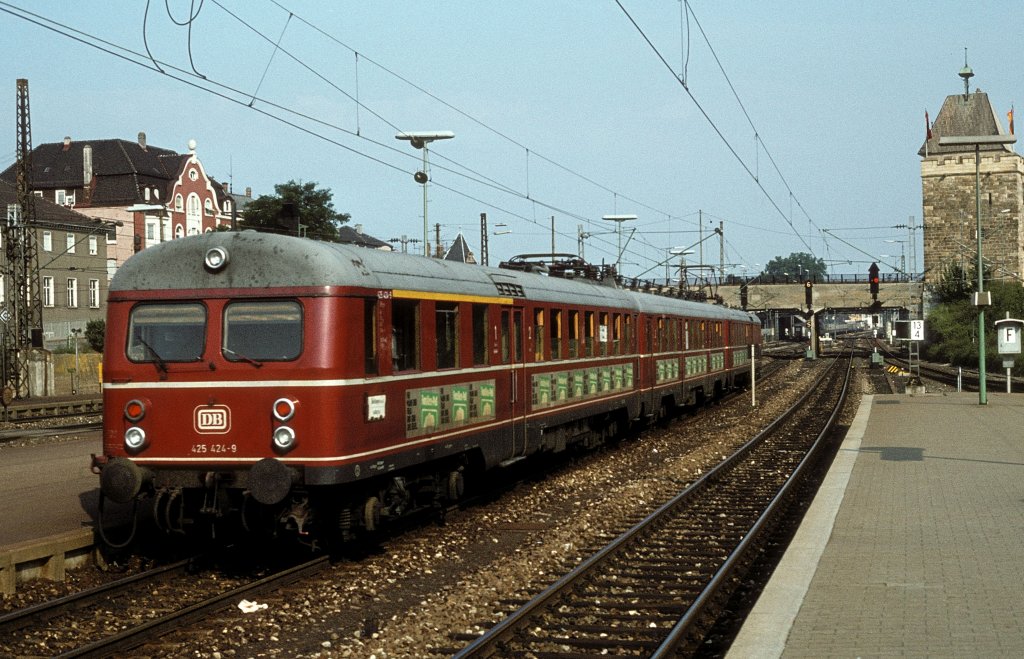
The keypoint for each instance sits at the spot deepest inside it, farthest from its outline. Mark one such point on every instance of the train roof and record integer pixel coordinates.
(264, 260)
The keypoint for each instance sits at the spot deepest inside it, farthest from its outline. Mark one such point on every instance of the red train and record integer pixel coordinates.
(260, 380)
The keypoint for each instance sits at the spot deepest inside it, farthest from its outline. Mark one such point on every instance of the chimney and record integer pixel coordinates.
(248, 192)
(359, 229)
(67, 142)
(142, 140)
(87, 165)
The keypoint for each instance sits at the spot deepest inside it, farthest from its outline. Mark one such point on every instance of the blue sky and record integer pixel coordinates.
(558, 108)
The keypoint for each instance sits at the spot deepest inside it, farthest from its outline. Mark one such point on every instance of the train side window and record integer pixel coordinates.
(479, 334)
(662, 335)
(404, 339)
(167, 332)
(262, 330)
(505, 345)
(517, 335)
(538, 335)
(556, 333)
(686, 334)
(603, 338)
(629, 335)
(588, 329)
(617, 334)
(370, 335)
(446, 321)
(574, 334)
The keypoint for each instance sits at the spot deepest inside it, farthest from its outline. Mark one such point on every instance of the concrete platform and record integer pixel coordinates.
(915, 544)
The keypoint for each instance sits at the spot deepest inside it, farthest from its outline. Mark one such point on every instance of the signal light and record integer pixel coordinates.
(809, 293)
(873, 280)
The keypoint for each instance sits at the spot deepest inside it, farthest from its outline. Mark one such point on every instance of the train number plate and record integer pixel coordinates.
(212, 419)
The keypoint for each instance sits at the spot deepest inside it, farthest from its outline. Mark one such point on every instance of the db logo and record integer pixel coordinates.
(215, 420)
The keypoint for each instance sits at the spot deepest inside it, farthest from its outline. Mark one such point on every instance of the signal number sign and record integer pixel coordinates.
(917, 330)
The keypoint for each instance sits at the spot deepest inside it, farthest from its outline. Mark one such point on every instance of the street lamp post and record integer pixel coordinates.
(618, 219)
(977, 141)
(420, 140)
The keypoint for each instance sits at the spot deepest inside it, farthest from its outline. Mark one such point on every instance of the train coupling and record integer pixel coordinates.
(98, 462)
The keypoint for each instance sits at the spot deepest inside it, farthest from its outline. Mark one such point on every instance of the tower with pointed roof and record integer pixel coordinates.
(948, 191)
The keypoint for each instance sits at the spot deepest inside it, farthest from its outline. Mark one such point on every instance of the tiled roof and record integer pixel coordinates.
(459, 251)
(47, 212)
(116, 164)
(964, 115)
(353, 237)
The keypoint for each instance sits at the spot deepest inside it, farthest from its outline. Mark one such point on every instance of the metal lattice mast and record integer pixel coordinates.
(22, 303)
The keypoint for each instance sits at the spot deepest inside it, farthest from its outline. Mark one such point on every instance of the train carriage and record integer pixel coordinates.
(326, 387)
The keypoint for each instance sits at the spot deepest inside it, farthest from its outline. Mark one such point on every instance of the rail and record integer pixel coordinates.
(625, 597)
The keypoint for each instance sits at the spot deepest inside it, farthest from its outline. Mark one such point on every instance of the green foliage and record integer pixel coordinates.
(954, 284)
(315, 208)
(95, 333)
(952, 327)
(798, 265)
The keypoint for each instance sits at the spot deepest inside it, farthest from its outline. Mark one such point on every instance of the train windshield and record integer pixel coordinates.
(268, 330)
(167, 332)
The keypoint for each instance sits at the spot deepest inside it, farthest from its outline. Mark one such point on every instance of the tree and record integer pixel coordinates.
(95, 333)
(954, 284)
(952, 327)
(799, 265)
(314, 208)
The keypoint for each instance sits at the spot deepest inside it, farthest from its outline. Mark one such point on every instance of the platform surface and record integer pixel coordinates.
(915, 544)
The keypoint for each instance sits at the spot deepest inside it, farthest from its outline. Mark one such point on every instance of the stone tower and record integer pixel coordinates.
(948, 192)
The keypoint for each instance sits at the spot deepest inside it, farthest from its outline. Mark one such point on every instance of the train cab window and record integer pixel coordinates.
(167, 332)
(404, 337)
(262, 330)
(446, 317)
(538, 335)
(556, 333)
(479, 334)
(370, 335)
(574, 334)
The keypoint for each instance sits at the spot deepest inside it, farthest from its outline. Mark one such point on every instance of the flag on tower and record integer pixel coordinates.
(1009, 116)
(927, 125)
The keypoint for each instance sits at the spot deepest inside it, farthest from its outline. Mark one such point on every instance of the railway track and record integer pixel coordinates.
(127, 614)
(656, 588)
(52, 409)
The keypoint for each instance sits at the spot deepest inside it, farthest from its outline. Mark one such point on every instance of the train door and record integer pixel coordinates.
(513, 354)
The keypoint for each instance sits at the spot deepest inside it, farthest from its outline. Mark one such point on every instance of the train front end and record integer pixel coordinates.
(214, 392)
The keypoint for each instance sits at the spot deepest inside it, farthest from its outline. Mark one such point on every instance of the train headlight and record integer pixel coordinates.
(284, 439)
(216, 258)
(135, 439)
(284, 409)
(134, 410)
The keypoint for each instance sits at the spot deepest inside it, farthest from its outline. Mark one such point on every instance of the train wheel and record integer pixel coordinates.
(371, 514)
(456, 485)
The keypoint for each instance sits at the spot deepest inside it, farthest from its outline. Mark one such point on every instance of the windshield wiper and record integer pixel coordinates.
(161, 365)
(241, 357)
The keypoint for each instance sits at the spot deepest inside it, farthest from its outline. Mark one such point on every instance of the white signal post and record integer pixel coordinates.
(420, 140)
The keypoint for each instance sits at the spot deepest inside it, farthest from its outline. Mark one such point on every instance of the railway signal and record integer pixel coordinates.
(809, 294)
(873, 279)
